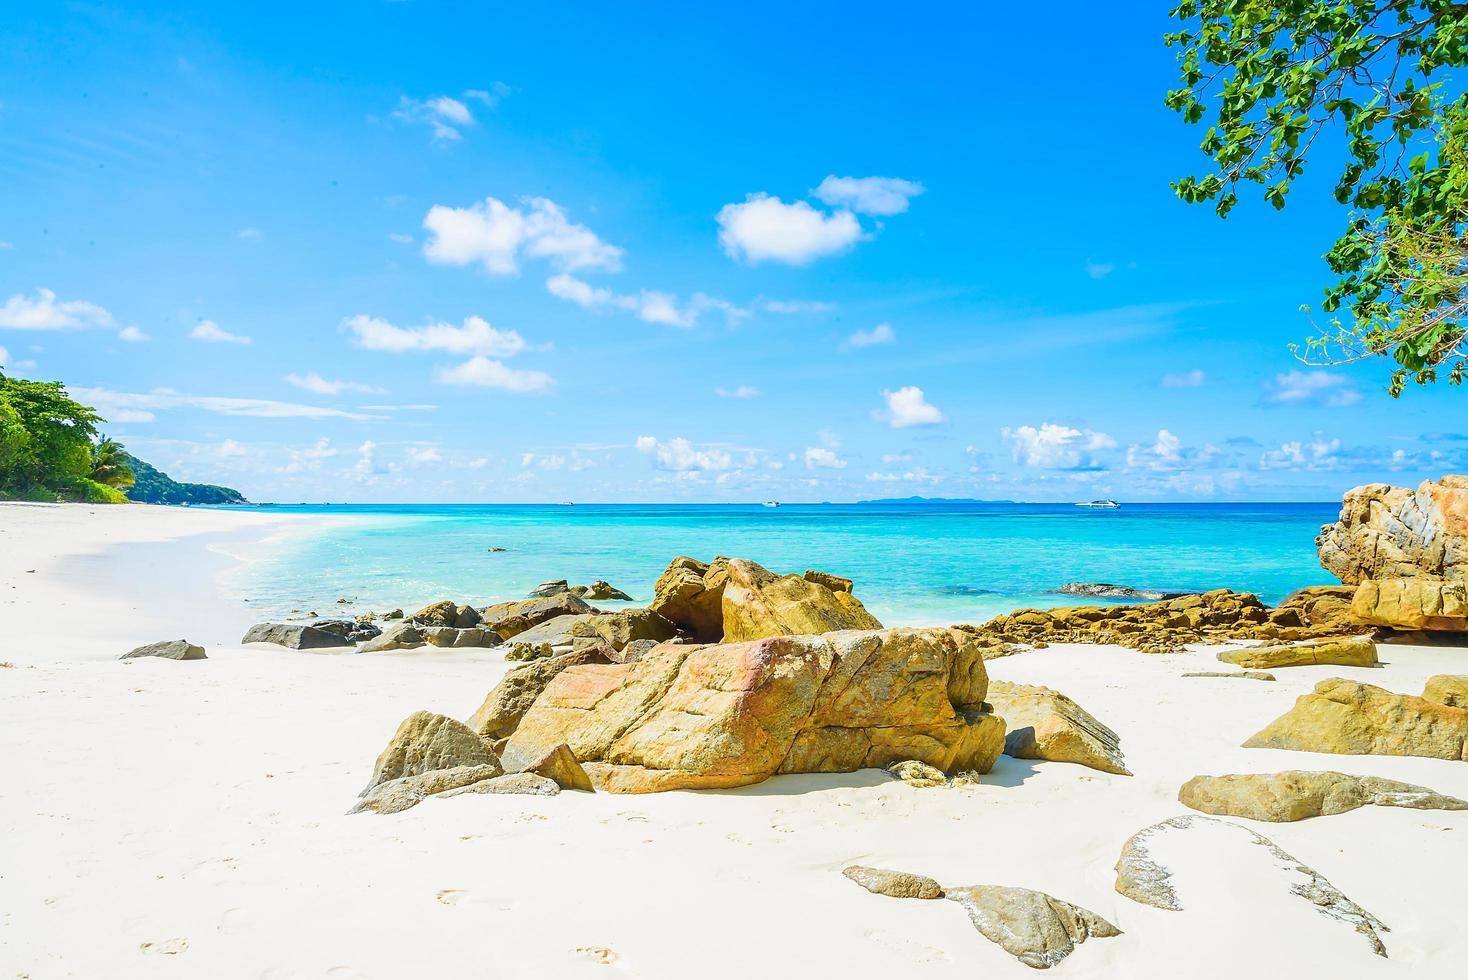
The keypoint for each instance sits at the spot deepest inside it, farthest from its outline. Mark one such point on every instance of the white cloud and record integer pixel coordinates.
(1318, 454)
(399, 408)
(907, 407)
(316, 384)
(796, 306)
(1312, 388)
(423, 455)
(309, 459)
(1056, 447)
(1100, 270)
(679, 455)
(648, 305)
(1185, 379)
(249, 234)
(443, 115)
(400, 238)
(132, 335)
(882, 333)
(890, 458)
(475, 336)
(743, 391)
(231, 448)
(4, 356)
(488, 373)
(212, 333)
(1164, 454)
(44, 312)
(497, 235)
(918, 475)
(819, 457)
(765, 228)
(163, 399)
(868, 195)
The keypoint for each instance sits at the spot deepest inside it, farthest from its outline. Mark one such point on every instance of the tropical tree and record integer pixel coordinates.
(46, 444)
(1272, 77)
(110, 464)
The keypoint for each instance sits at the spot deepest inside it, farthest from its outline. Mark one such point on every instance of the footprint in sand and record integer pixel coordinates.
(907, 947)
(597, 954)
(451, 896)
(169, 947)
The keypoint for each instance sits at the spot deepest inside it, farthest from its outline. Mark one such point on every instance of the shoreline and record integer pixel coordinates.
(189, 818)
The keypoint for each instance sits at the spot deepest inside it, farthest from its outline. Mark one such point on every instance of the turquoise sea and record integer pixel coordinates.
(913, 563)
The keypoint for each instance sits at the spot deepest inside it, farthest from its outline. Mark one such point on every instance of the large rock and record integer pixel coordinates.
(553, 587)
(1345, 651)
(425, 742)
(1294, 795)
(1045, 724)
(402, 635)
(167, 650)
(1351, 718)
(1038, 929)
(397, 795)
(1144, 875)
(1421, 603)
(758, 603)
(1448, 689)
(506, 704)
(294, 636)
(690, 594)
(616, 629)
(509, 619)
(894, 884)
(1387, 532)
(687, 717)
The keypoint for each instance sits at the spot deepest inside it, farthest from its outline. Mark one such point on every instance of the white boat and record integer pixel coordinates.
(1098, 503)
(772, 503)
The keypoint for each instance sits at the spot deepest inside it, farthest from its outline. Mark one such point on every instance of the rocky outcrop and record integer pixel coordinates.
(1045, 724)
(894, 884)
(732, 714)
(509, 619)
(603, 591)
(1143, 878)
(408, 635)
(560, 766)
(167, 650)
(425, 742)
(358, 630)
(1387, 532)
(1347, 651)
(1421, 603)
(294, 636)
(1351, 718)
(1167, 626)
(1032, 926)
(1448, 689)
(447, 614)
(690, 594)
(616, 629)
(400, 794)
(1294, 795)
(506, 704)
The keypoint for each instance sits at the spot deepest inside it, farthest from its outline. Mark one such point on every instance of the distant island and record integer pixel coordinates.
(152, 486)
(933, 500)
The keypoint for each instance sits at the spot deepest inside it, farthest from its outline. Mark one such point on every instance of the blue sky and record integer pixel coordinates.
(441, 252)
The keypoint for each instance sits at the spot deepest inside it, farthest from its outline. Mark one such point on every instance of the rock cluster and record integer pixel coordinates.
(1407, 552)
(1167, 626)
(1294, 795)
(1351, 718)
(736, 713)
(601, 590)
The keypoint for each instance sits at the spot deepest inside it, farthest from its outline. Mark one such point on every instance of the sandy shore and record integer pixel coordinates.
(187, 819)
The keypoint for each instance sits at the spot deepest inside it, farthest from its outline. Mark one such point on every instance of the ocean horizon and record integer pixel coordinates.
(926, 562)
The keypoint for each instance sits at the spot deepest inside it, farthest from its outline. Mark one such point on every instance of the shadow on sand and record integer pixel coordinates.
(1006, 772)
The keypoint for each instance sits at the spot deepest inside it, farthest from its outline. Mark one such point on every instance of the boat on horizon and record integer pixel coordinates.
(772, 503)
(1110, 504)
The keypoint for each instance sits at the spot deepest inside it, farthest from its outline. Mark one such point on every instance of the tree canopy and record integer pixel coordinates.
(1272, 77)
(46, 445)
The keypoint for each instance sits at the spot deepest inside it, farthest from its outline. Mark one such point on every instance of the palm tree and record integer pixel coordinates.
(109, 464)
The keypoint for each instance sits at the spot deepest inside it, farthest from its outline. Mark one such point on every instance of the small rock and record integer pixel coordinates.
(894, 884)
(515, 783)
(1248, 675)
(560, 764)
(397, 795)
(1034, 927)
(918, 774)
(604, 591)
(1294, 795)
(529, 651)
(1045, 724)
(168, 650)
(1349, 651)
(547, 589)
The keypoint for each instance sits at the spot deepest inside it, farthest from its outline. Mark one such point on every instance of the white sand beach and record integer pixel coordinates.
(188, 819)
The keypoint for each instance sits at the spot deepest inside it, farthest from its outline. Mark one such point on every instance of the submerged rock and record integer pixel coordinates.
(1348, 651)
(400, 794)
(553, 587)
(1351, 718)
(1295, 795)
(295, 636)
(425, 742)
(894, 884)
(606, 592)
(737, 713)
(1140, 877)
(1105, 590)
(1034, 927)
(1045, 724)
(167, 650)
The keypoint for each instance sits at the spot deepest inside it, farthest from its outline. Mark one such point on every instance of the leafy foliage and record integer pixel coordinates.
(1277, 74)
(46, 444)
(110, 464)
(152, 486)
